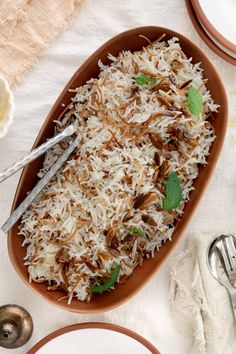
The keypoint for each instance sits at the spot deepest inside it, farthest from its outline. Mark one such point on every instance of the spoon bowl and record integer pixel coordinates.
(216, 266)
(215, 262)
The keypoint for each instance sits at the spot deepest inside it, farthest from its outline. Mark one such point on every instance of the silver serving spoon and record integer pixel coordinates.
(216, 266)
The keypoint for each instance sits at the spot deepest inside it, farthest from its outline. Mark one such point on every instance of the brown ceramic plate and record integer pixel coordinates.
(105, 335)
(129, 40)
(205, 37)
(211, 29)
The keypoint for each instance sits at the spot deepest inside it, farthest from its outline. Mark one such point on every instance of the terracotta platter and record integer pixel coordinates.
(129, 40)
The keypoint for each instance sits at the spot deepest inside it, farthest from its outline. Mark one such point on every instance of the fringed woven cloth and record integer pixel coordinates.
(27, 27)
(200, 305)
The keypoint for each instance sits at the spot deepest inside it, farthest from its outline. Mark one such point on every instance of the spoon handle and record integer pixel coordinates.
(34, 154)
(232, 293)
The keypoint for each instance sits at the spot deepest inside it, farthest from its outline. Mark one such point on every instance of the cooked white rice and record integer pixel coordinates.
(76, 230)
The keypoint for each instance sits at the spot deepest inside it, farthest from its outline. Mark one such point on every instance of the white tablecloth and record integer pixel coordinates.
(148, 312)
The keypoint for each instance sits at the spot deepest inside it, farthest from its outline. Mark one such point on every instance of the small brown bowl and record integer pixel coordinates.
(129, 40)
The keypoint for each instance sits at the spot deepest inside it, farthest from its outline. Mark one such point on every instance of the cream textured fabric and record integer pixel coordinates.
(149, 312)
(200, 305)
(26, 28)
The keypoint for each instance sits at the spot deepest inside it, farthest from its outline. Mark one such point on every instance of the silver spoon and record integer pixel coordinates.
(216, 266)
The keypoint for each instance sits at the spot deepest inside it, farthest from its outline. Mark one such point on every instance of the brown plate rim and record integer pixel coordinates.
(211, 29)
(98, 325)
(205, 37)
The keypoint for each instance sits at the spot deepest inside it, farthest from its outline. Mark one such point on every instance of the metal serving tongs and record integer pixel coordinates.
(19, 211)
(40, 150)
(221, 260)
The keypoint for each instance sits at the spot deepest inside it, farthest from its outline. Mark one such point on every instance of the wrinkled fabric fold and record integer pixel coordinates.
(27, 27)
(200, 305)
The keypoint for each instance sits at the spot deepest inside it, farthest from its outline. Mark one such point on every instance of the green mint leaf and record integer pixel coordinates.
(153, 81)
(108, 284)
(173, 192)
(136, 230)
(141, 79)
(194, 101)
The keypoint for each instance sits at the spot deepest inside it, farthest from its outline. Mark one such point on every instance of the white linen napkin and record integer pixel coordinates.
(200, 305)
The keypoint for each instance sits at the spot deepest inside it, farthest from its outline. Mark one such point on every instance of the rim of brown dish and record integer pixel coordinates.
(99, 325)
(128, 40)
(205, 37)
(211, 29)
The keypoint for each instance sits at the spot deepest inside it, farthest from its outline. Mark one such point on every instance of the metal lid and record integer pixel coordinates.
(16, 326)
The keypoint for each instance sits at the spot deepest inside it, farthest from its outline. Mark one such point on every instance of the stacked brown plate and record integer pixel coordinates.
(215, 23)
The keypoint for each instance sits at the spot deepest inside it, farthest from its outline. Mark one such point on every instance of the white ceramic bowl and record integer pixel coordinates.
(7, 106)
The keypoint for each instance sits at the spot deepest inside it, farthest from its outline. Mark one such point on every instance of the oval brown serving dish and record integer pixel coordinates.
(129, 40)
